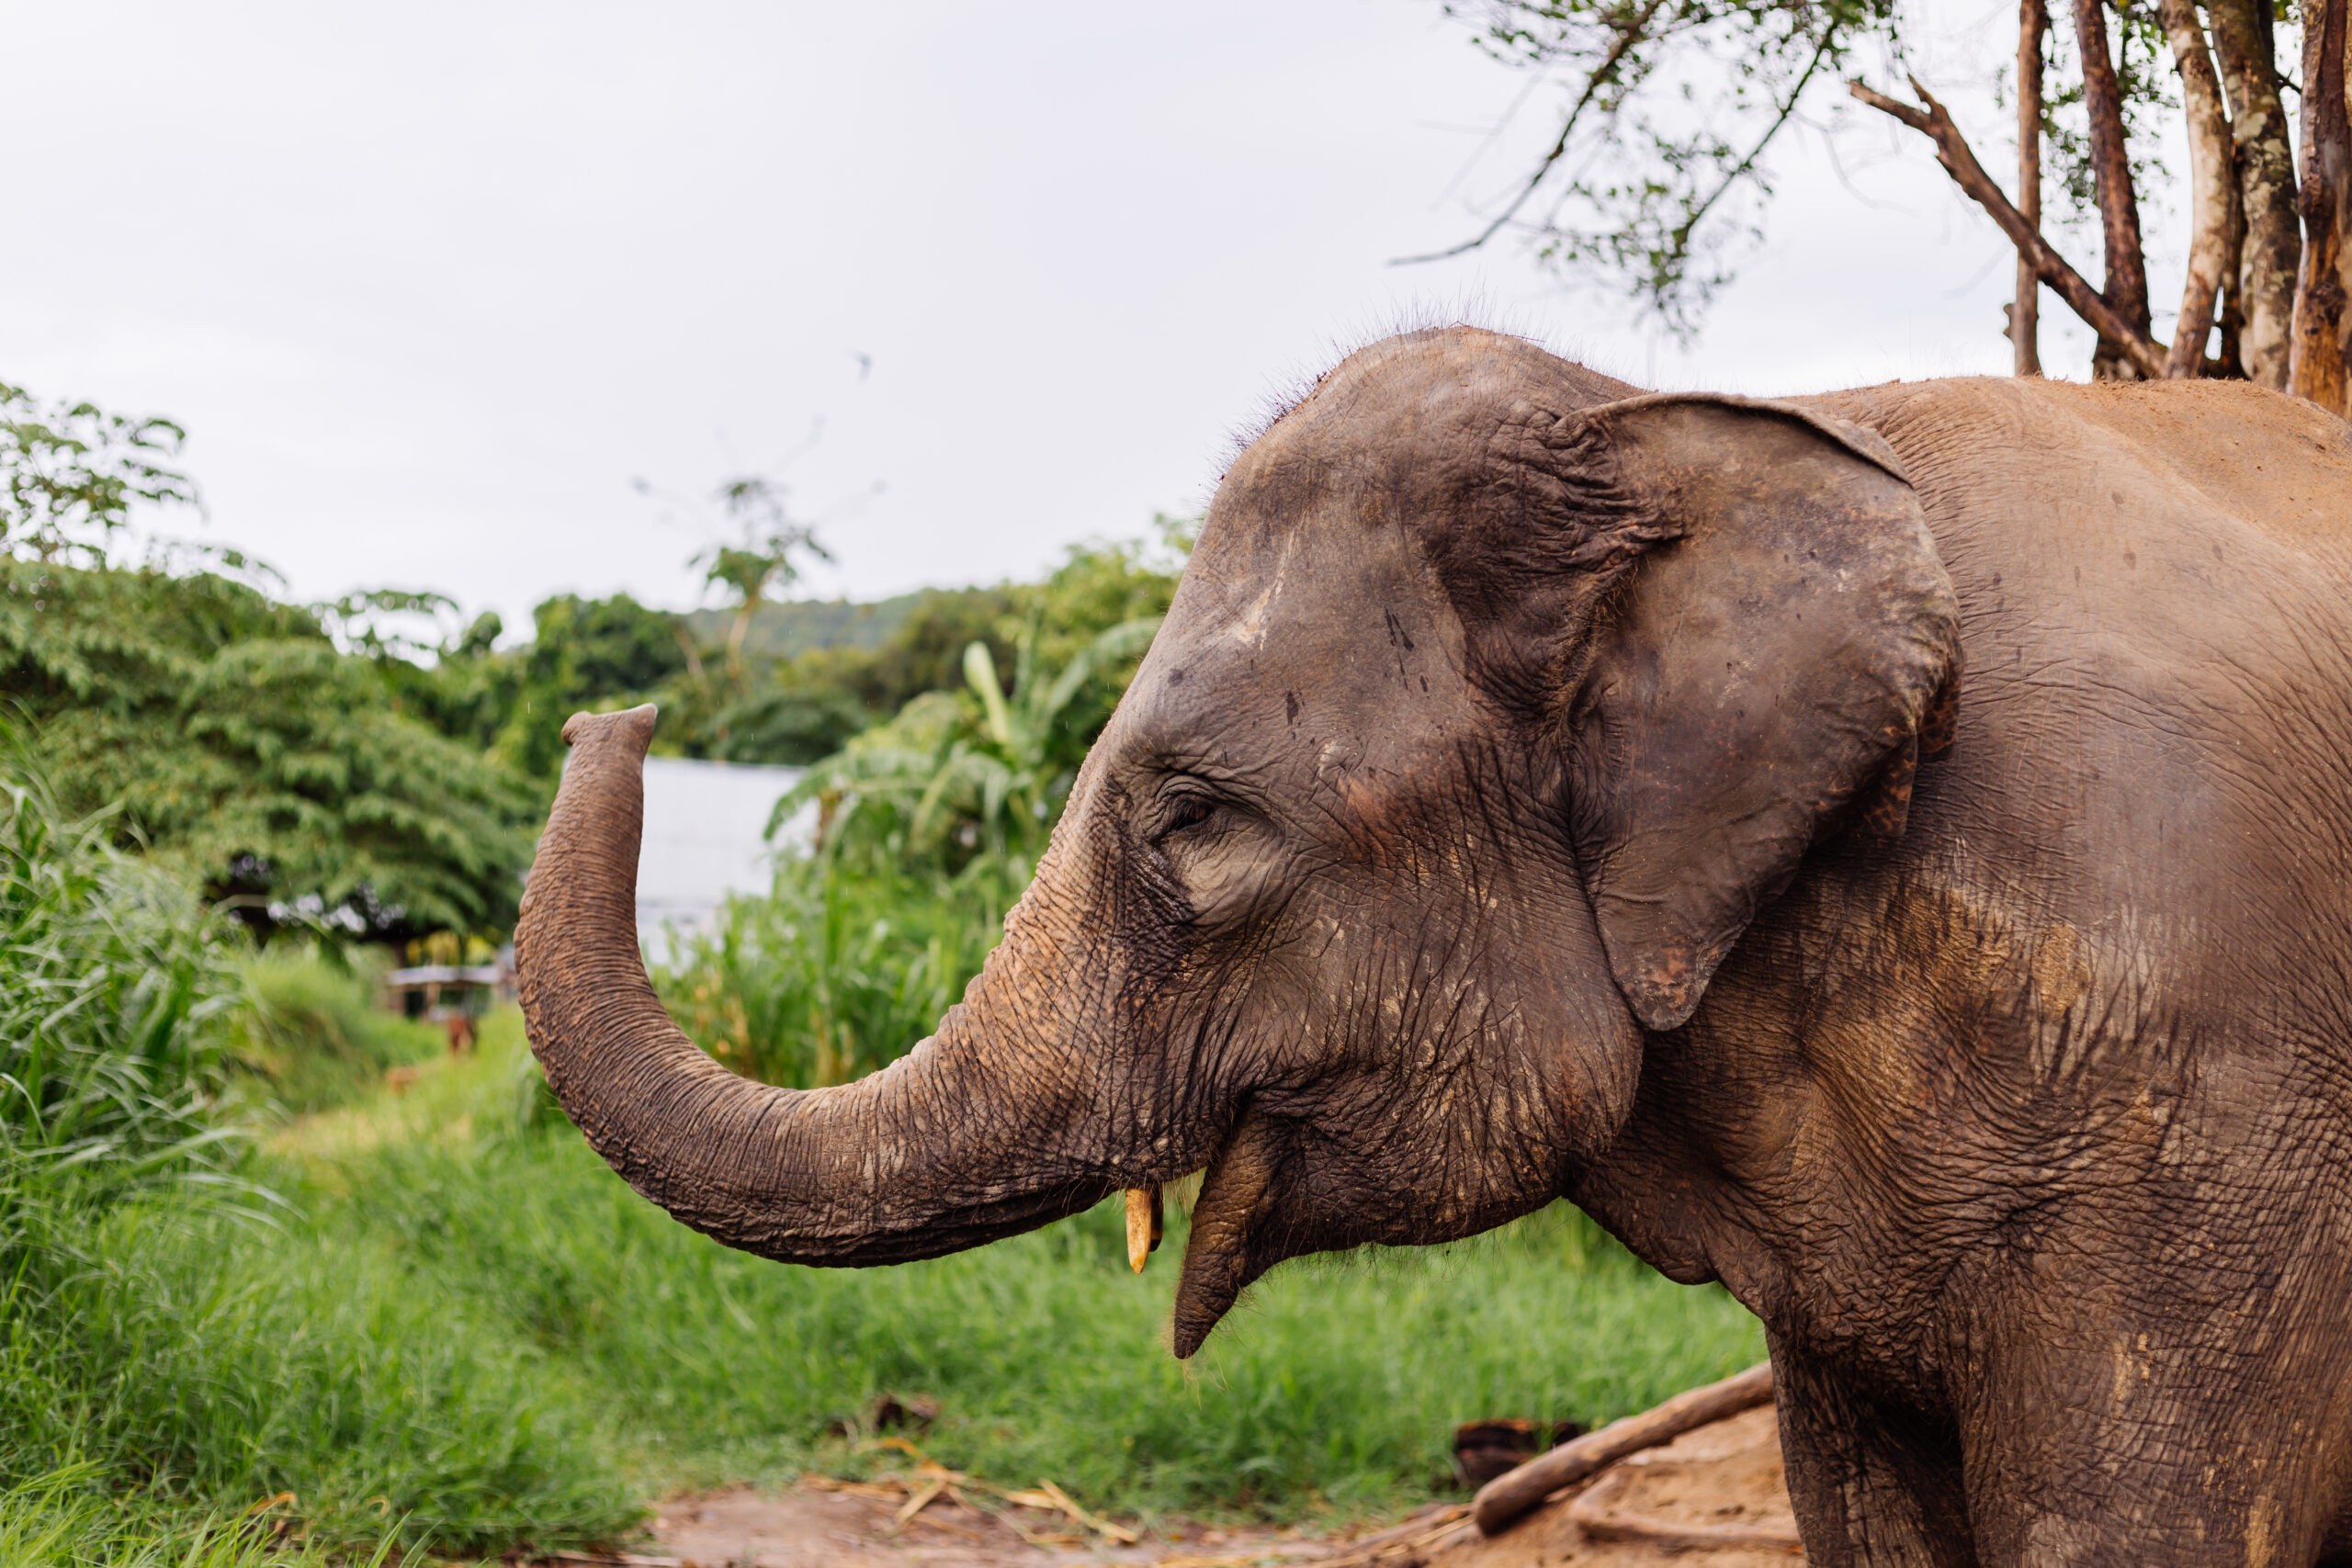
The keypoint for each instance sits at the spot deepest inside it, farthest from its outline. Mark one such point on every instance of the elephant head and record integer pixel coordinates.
(1493, 703)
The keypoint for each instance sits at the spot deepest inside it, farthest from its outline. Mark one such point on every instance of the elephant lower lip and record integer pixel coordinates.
(1236, 1192)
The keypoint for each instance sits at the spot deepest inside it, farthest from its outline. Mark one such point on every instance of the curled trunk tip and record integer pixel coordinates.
(630, 726)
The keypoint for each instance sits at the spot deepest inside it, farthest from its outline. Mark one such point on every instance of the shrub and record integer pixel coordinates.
(203, 1361)
(832, 975)
(114, 980)
(312, 1032)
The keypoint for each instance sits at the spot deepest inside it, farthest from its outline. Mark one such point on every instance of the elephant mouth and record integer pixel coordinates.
(1225, 1250)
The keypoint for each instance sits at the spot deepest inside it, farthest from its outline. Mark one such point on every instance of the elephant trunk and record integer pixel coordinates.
(977, 1132)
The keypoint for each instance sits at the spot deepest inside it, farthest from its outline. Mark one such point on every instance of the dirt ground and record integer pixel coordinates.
(1712, 1499)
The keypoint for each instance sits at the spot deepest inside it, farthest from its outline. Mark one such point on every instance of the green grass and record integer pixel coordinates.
(467, 1323)
(60, 1520)
(461, 1240)
(310, 1035)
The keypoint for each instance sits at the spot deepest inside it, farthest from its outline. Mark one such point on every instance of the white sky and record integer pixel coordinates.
(431, 284)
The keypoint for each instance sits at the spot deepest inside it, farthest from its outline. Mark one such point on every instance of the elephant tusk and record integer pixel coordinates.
(1144, 1224)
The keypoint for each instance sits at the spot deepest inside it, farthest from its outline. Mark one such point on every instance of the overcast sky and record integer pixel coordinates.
(432, 285)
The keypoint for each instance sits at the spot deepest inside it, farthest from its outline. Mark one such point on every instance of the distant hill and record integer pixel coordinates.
(794, 627)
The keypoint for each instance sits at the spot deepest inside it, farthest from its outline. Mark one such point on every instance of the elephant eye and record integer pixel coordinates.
(1188, 811)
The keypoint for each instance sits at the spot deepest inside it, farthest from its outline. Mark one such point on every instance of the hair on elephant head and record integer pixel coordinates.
(1495, 701)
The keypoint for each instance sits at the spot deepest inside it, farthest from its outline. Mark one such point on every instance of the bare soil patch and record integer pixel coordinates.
(1714, 1498)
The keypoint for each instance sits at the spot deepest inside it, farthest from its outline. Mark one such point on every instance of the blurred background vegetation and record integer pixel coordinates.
(284, 1282)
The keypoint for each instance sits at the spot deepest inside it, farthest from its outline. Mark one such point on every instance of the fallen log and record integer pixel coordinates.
(1515, 1492)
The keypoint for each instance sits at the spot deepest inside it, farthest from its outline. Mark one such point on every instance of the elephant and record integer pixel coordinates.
(1889, 852)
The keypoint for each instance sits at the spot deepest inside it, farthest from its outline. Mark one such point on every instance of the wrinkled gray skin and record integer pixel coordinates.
(1886, 851)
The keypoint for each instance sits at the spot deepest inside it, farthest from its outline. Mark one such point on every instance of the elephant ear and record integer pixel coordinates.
(1764, 674)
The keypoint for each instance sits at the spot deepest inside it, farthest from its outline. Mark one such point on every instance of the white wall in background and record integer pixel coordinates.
(704, 840)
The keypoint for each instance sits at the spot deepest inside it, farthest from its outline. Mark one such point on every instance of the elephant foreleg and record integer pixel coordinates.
(2140, 1446)
(1872, 1487)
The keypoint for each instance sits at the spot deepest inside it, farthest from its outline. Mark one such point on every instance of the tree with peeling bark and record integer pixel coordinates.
(1661, 164)
(2264, 158)
(2322, 322)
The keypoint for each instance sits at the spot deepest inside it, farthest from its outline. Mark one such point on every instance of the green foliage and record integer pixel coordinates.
(974, 783)
(212, 1362)
(931, 824)
(122, 642)
(804, 708)
(159, 1354)
(970, 782)
(1103, 585)
(769, 556)
(835, 974)
(1659, 173)
(1336, 1386)
(788, 628)
(774, 724)
(312, 1032)
(236, 738)
(924, 652)
(69, 473)
(594, 654)
(241, 743)
(113, 981)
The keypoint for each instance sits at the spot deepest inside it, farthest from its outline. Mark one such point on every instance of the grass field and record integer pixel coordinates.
(465, 1329)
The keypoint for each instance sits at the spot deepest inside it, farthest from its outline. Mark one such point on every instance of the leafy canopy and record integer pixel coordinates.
(1660, 171)
(237, 738)
(69, 473)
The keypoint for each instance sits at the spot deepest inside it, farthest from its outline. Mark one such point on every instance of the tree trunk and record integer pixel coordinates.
(2210, 160)
(2025, 316)
(2140, 351)
(2232, 321)
(2266, 156)
(2321, 320)
(2126, 288)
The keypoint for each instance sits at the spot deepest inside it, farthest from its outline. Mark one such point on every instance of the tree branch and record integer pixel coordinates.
(1781, 118)
(1626, 39)
(1952, 151)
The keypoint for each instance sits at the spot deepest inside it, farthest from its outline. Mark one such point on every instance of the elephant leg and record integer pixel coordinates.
(2076, 1517)
(1872, 1487)
(2078, 1459)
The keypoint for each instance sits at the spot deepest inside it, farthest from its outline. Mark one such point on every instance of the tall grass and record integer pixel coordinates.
(113, 983)
(212, 1362)
(834, 974)
(312, 1035)
(174, 1341)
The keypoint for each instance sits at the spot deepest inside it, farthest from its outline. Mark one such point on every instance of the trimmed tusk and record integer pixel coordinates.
(1144, 1224)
